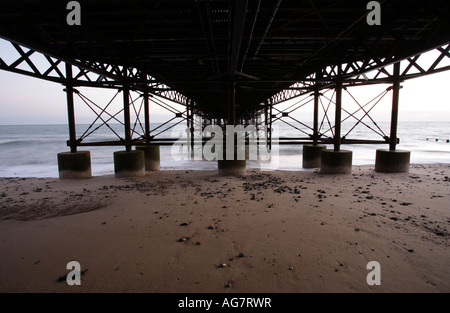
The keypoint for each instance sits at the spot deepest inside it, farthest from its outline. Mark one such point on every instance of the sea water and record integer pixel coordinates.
(31, 150)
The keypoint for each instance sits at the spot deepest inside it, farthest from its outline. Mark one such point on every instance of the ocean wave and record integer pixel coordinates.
(15, 142)
(432, 151)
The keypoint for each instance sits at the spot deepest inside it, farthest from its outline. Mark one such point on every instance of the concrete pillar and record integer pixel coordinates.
(232, 167)
(234, 161)
(151, 156)
(397, 161)
(74, 165)
(336, 162)
(311, 155)
(129, 163)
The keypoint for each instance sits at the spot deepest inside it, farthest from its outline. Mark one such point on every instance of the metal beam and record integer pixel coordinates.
(337, 119)
(239, 13)
(126, 114)
(316, 113)
(395, 100)
(70, 110)
(147, 116)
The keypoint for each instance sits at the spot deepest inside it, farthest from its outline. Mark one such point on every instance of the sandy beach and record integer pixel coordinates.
(194, 231)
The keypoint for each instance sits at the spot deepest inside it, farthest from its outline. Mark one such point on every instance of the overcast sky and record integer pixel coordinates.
(26, 100)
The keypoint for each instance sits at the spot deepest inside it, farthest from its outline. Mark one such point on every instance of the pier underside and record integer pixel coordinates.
(228, 62)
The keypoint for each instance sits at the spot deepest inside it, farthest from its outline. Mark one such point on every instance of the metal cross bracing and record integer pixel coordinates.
(36, 64)
(108, 76)
(109, 116)
(324, 133)
(373, 71)
(198, 53)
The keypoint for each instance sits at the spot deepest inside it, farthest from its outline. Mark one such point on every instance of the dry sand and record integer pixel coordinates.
(265, 232)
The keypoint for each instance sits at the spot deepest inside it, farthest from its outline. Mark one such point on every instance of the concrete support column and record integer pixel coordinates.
(387, 161)
(129, 163)
(232, 167)
(151, 156)
(232, 163)
(336, 162)
(311, 155)
(74, 165)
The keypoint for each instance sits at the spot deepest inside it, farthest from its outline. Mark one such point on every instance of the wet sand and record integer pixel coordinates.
(193, 231)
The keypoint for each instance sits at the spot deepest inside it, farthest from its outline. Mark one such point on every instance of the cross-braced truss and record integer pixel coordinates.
(372, 71)
(99, 75)
(109, 116)
(32, 63)
(357, 114)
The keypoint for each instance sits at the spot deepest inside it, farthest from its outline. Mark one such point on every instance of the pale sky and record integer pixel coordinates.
(26, 100)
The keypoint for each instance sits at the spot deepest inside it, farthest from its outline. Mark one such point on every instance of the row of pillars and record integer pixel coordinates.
(76, 164)
(338, 161)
